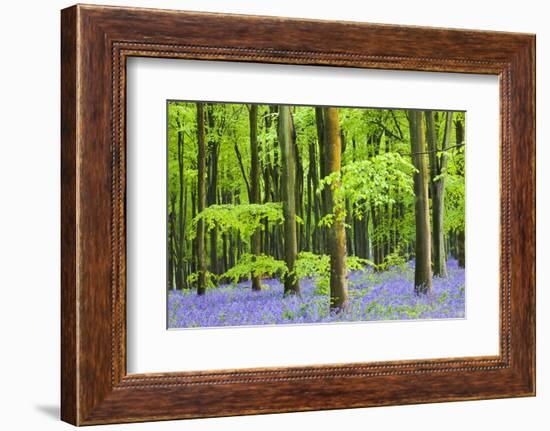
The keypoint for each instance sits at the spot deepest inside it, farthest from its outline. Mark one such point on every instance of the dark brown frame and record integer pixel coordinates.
(95, 43)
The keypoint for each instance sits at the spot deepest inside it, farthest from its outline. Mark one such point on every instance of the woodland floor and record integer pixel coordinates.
(384, 295)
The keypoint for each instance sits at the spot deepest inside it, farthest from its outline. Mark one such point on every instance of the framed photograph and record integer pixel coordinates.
(265, 215)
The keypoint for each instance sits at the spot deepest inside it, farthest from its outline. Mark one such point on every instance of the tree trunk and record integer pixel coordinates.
(170, 285)
(288, 182)
(267, 198)
(366, 236)
(179, 265)
(255, 243)
(201, 201)
(459, 130)
(461, 251)
(267, 184)
(309, 208)
(213, 155)
(423, 268)
(438, 165)
(349, 234)
(319, 112)
(337, 233)
(314, 176)
(376, 248)
(225, 198)
(172, 244)
(278, 231)
(193, 266)
(299, 188)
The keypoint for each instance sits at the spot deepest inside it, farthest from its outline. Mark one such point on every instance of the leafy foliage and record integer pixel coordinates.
(384, 179)
(454, 203)
(393, 260)
(211, 279)
(312, 265)
(261, 266)
(244, 219)
(317, 267)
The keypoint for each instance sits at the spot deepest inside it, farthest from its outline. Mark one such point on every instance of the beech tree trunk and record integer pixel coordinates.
(317, 234)
(180, 249)
(201, 201)
(339, 300)
(255, 244)
(211, 197)
(298, 190)
(172, 244)
(438, 166)
(322, 172)
(277, 232)
(461, 252)
(309, 195)
(423, 266)
(194, 265)
(266, 171)
(288, 183)
(376, 240)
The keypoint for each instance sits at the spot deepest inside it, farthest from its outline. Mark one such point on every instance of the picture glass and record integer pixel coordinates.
(296, 214)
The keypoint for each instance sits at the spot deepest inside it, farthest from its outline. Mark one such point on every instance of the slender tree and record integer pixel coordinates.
(194, 264)
(172, 244)
(339, 300)
(376, 211)
(438, 166)
(317, 203)
(211, 189)
(256, 244)
(288, 182)
(179, 261)
(265, 168)
(309, 190)
(461, 249)
(298, 191)
(319, 122)
(423, 264)
(201, 204)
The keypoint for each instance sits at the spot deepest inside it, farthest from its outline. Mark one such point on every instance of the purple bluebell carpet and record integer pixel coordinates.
(385, 295)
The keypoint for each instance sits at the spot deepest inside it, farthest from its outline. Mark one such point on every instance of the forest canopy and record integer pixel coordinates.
(278, 197)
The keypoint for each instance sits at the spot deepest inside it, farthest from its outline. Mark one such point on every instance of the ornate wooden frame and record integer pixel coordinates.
(95, 43)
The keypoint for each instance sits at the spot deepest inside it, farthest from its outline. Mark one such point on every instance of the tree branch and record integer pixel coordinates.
(388, 131)
(243, 172)
(396, 123)
(433, 151)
